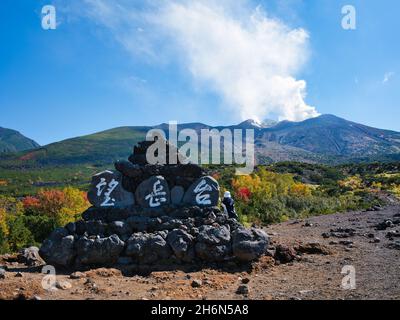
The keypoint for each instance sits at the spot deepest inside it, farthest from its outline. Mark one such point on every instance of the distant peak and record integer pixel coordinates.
(251, 123)
(256, 124)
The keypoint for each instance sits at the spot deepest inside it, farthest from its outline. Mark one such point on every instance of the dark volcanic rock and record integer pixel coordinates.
(249, 244)
(284, 254)
(147, 248)
(314, 248)
(181, 243)
(106, 191)
(153, 193)
(385, 224)
(214, 235)
(100, 251)
(177, 194)
(213, 243)
(203, 193)
(94, 228)
(58, 249)
(128, 169)
(138, 223)
(120, 228)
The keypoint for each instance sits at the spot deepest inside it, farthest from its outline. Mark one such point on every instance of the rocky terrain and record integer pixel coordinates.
(304, 261)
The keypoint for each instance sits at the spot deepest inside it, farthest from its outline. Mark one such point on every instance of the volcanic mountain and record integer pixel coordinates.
(324, 139)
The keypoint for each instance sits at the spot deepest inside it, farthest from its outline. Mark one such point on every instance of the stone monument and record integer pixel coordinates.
(145, 214)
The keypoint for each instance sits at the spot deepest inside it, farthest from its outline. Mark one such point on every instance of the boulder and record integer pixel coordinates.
(153, 193)
(106, 191)
(214, 235)
(213, 243)
(177, 194)
(100, 251)
(284, 254)
(213, 253)
(128, 169)
(203, 193)
(120, 228)
(30, 257)
(138, 223)
(147, 248)
(58, 249)
(2, 273)
(71, 227)
(181, 244)
(94, 228)
(249, 244)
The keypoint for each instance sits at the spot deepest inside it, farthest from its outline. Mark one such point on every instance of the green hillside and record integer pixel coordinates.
(13, 141)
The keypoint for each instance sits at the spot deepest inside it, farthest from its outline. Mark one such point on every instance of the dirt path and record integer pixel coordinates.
(311, 276)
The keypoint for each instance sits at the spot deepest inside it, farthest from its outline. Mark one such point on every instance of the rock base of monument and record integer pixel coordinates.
(136, 236)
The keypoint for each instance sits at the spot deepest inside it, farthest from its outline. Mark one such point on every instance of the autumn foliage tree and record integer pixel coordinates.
(30, 221)
(61, 206)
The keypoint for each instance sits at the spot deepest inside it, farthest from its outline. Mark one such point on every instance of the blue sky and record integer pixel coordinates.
(94, 73)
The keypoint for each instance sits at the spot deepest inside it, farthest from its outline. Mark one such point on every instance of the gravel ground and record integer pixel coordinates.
(371, 252)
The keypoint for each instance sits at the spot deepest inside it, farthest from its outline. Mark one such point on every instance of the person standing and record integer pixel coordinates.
(229, 205)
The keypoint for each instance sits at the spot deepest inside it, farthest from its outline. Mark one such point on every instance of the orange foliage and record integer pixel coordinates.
(63, 205)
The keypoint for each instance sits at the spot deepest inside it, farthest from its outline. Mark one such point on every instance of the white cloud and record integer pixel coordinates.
(387, 77)
(248, 58)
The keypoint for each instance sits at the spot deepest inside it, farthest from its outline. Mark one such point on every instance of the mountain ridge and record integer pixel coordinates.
(324, 139)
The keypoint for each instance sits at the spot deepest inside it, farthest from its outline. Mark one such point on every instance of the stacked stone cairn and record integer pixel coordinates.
(147, 215)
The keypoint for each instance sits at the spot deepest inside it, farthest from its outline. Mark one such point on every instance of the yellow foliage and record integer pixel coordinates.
(3, 222)
(353, 183)
(300, 189)
(269, 184)
(376, 185)
(396, 190)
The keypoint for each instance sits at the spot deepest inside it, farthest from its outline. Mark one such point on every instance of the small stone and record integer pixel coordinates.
(197, 283)
(77, 275)
(314, 248)
(305, 291)
(2, 273)
(245, 280)
(19, 275)
(284, 254)
(63, 285)
(376, 240)
(243, 290)
(37, 298)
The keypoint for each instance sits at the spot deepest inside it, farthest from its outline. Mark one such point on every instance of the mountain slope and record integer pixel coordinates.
(325, 139)
(13, 141)
(332, 136)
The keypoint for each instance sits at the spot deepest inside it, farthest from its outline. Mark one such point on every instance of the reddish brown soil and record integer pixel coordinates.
(312, 276)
